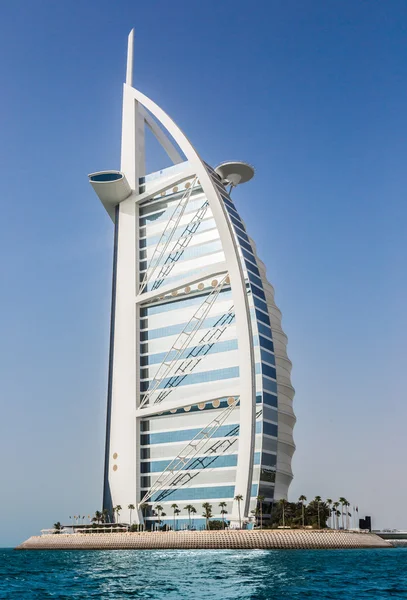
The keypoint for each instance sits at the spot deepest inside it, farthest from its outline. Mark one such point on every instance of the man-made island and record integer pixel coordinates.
(211, 540)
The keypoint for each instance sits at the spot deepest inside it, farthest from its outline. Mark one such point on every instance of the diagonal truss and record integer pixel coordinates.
(180, 245)
(194, 447)
(183, 339)
(197, 353)
(201, 462)
(167, 235)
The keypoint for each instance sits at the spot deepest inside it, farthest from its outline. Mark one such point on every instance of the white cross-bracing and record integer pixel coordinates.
(217, 449)
(180, 245)
(197, 353)
(184, 339)
(194, 447)
(167, 235)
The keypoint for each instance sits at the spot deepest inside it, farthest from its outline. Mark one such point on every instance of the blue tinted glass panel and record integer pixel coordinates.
(268, 371)
(251, 267)
(193, 378)
(248, 255)
(267, 357)
(269, 429)
(254, 279)
(261, 316)
(154, 359)
(244, 244)
(201, 462)
(153, 334)
(270, 414)
(269, 385)
(270, 400)
(180, 304)
(265, 343)
(184, 435)
(268, 459)
(228, 202)
(259, 292)
(260, 304)
(264, 329)
(237, 223)
(203, 493)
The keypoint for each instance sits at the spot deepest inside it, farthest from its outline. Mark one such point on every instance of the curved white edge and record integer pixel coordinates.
(244, 471)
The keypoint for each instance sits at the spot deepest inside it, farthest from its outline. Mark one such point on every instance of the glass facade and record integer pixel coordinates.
(200, 369)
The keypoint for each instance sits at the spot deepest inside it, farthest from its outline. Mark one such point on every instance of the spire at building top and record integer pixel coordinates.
(130, 58)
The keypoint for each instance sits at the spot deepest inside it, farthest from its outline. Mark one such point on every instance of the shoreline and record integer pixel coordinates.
(264, 539)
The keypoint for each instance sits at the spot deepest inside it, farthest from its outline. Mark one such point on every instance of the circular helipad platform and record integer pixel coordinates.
(234, 172)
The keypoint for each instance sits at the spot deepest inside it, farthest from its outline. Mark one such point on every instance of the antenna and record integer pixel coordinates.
(130, 58)
(234, 173)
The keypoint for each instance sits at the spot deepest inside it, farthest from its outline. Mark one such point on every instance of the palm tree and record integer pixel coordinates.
(117, 510)
(342, 501)
(302, 499)
(347, 514)
(105, 515)
(98, 516)
(57, 527)
(131, 507)
(208, 512)
(143, 507)
(318, 500)
(174, 508)
(239, 498)
(283, 503)
(159, 510)
(193, 511)
(335, 514)
(190, 509)
(176, 513)
(223, 512)
(260, 500)
(329, 502)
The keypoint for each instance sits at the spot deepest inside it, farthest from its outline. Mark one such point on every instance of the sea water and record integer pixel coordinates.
(204, 574)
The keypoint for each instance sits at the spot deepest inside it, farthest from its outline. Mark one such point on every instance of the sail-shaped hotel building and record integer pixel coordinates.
(199, 392)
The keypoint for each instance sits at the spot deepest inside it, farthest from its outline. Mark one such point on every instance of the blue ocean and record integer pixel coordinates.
(204, 574)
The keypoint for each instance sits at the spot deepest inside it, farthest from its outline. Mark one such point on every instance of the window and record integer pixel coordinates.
(244, 244)
(260, 304)
(200, 462)
(270, 414)
(251, 267)
(258, 291)
(254, 279)
(268, 371)
(218, 347)
(270, 400)
(185, 435)
(269, 385)
(269, 429)
(202, 493)
(267, 357)
(262, 317)
(194, 378)
(248, 255)
(264, 329)
(265, 343)
(237, 223)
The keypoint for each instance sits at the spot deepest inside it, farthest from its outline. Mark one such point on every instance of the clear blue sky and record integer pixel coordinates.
(314, 94)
